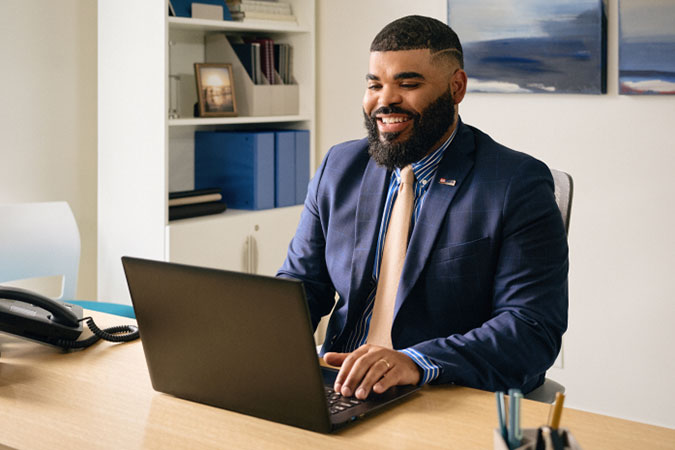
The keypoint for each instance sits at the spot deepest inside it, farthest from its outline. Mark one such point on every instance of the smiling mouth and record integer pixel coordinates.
(393, 123)
(390, 120)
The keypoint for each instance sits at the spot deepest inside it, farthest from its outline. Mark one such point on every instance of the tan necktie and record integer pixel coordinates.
(393, 255)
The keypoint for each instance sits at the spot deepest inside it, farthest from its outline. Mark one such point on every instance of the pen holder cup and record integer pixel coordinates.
(530, 439)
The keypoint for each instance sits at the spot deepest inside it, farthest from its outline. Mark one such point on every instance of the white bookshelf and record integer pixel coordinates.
(143, 154)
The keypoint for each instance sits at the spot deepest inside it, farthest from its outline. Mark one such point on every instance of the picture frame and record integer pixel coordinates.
(215, 90)
(533, 47)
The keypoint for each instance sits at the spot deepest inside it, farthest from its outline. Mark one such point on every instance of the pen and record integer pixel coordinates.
(501, 414)
(546, 438)
(515, 433)
(551, 439)
(556, 411)
(540, 443)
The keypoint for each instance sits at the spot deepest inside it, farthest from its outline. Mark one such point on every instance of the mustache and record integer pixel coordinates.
(393, 109)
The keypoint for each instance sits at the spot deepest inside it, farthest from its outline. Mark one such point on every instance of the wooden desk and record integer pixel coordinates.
(101, 397)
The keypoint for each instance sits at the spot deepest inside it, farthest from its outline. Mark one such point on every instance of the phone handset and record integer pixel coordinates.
(60, 312)
(43, 319)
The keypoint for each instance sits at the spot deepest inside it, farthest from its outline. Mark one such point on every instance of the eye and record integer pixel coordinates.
(409, 85)
(374, 86)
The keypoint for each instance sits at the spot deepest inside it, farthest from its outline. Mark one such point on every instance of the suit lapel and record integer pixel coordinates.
(452, 171)
(368, 217)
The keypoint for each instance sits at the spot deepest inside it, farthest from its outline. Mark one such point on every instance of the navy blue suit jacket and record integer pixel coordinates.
(483, 291)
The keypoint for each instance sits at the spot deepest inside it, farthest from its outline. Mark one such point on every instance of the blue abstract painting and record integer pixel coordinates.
(647, 47)
(532, 46)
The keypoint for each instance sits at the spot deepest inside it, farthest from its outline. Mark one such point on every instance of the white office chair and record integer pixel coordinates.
(564, 188)
(39, 240)
(42, 240)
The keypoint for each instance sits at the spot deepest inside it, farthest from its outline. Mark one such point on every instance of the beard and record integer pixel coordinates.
(428, 128)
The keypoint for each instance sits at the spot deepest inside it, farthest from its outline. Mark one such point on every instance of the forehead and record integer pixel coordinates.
(388, 64)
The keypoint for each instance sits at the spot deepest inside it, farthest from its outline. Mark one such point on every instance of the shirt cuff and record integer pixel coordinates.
(430, 371)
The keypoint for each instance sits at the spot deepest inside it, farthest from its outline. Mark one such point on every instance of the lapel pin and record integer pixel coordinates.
(447, 182)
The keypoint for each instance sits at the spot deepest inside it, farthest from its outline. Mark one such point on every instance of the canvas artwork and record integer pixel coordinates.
(647, 47)
(532, 46)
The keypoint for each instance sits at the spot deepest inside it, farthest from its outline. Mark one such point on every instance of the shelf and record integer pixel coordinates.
(230, 214)
(196, 121)
(186, 23)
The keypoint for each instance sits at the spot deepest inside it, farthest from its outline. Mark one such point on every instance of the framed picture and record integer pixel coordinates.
(646, 47)
(215, 90)
(533, 46)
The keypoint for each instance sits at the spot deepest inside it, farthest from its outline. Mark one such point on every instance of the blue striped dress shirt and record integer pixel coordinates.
(424, 170)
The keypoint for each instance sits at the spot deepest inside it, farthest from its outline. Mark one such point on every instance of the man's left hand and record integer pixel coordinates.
(371, 367)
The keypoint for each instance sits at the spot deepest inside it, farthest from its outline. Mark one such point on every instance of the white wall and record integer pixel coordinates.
(618, 357)
(48, 112)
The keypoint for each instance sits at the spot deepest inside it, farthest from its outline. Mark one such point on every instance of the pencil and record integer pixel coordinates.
(556, 412)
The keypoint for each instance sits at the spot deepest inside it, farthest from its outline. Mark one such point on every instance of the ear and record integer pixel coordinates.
(458, 84)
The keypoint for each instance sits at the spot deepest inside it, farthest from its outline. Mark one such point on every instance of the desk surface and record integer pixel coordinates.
(101, 397)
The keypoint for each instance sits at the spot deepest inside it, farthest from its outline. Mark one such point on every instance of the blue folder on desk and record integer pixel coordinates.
(241, 164)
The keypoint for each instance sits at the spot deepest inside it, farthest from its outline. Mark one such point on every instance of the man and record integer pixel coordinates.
(479, 297)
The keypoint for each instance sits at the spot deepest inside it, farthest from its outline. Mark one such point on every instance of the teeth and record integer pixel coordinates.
(394, 119)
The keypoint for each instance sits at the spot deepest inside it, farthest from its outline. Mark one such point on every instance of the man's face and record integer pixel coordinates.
(409, 104)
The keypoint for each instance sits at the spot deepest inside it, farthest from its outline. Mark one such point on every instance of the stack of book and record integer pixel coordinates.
(263, 57)
(283, 58)
(260, 10)
(266, 58)
(195, 203)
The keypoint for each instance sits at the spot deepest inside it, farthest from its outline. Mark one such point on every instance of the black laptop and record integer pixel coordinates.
(238, 341)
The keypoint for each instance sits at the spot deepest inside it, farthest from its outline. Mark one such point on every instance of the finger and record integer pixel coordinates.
(389, 379)
(360, 367)
(403, 371)
(344, 382)
(335, 359)
(374, 375)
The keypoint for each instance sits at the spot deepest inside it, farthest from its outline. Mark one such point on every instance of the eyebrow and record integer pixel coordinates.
(398, 76)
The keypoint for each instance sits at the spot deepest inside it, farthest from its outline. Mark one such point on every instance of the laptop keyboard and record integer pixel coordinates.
(337, 403)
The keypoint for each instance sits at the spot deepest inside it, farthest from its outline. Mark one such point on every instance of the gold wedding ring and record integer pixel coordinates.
(387, 363)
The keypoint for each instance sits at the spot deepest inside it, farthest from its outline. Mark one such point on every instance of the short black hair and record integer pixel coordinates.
(419, 32)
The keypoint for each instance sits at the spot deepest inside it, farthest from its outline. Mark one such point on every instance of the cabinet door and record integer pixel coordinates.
(271, 232)
(211, 242)
(253, 242)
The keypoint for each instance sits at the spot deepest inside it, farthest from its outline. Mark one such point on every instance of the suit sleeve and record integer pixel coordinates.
(522, 338)
(305, 260)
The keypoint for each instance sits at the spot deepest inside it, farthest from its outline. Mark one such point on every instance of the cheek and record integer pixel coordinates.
(369, 102)
(420, 102)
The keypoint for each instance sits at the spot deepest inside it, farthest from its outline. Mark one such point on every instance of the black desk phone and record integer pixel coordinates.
(33, 316)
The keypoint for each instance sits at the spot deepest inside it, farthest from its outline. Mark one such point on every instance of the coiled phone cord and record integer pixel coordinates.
(112, 334)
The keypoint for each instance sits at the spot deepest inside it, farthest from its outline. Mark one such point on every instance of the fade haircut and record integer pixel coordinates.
(419, 32)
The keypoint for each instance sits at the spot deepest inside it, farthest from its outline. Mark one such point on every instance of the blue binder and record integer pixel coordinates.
(301, 165)
(284, 168)
(183, 8)
(241, 164)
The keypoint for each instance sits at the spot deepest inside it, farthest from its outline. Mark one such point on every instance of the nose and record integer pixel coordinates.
(388, 96)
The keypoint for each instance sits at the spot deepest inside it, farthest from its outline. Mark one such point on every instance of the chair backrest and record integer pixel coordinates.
(39, 240)
(564, 188)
